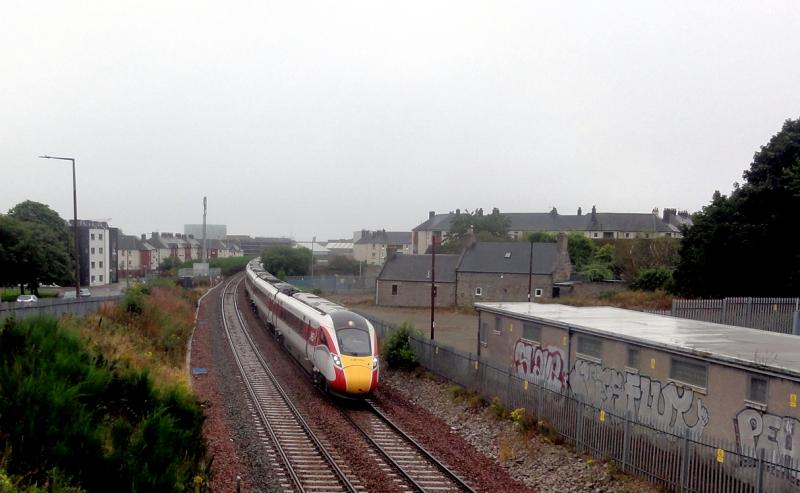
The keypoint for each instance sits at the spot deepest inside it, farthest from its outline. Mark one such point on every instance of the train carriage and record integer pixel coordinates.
(338, 347)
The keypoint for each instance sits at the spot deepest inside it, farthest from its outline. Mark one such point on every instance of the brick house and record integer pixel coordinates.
(485, 271)
(405, 280)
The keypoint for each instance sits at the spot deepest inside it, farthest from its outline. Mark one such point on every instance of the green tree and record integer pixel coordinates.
(631, 257)
(343, 265)
(43, 246)
(169, 264)
(489, 227)
(738, 245)
(287, 260)
(580, 250)
(540, 237)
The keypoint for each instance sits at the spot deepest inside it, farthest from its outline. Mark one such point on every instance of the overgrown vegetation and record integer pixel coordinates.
(227, 266)
(283, 261)
(81, 411)
(396, 349)
(653, 279)
(485, 227)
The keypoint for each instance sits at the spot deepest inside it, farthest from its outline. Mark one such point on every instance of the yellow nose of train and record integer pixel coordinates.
(357, 373)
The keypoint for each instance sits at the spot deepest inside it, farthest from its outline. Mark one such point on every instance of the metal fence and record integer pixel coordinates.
(55, 307)
(676, 462)
(335, 283)
(772, 314)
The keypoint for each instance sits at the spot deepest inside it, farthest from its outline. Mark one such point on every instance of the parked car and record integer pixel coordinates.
(68, 294)
(27, 298)
(84, 292)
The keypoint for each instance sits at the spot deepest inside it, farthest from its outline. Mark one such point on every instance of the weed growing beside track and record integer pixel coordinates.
(101, 403)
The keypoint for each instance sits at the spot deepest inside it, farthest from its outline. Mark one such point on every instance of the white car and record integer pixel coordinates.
(68, 294)
(85, 292)
(27, 298)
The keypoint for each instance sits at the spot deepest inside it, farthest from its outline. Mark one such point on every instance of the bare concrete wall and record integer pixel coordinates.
(509, 287)
(414, 293)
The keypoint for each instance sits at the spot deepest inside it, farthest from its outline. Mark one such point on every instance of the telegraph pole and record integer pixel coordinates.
(203, 254)
(433, 286)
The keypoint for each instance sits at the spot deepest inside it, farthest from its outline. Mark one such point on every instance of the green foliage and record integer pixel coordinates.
(633, 256)
(133, 300)
(169, 264)
(35, 247)
(599, 264)
(580, 250)
(497, 409)
(597, 272)
(738, 244)
(652, 279)
(397, 350)
(490, 227)
(64, 408)
(540, 237)
(343, 265)
(287, 261)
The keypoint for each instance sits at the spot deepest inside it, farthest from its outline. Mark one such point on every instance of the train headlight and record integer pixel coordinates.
(336, 360)
(374, 362)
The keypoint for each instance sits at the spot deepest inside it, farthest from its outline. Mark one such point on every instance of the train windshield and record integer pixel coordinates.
(354, 342)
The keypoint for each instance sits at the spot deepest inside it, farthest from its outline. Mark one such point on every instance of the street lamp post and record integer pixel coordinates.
(74, 224)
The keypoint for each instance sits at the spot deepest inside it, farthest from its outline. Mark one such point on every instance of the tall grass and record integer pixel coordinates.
(78, 399)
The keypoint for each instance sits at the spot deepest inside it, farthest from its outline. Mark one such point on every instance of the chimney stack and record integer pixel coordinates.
(431, 214)
(469, 239)
(144, 237)
(495, 211)
(580, 212)
(154, 235)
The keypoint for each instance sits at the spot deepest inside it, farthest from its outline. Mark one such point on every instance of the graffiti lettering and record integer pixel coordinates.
(778, 436)
(669, 407)
(543, 365)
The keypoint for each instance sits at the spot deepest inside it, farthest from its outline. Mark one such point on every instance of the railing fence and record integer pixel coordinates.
(771, 314)
(680, 463)
(55, 307)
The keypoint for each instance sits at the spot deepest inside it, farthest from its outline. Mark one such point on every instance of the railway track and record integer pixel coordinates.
(418, 468)
(301, 461)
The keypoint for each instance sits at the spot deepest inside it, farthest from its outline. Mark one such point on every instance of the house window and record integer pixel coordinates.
(101, 249)
(590, 346)
(92, 265)
(633, 357)
(537, 292)
(531, 332)
(595, 235)
(394, 289)
(100, 236)
(498, 325)
(688, 371)
(92, 250)
(478, 291)
(608, 234)
(101, 264)
(101, 277)
(757, 389)
(92, 235)
(92, 278)
(627, 235)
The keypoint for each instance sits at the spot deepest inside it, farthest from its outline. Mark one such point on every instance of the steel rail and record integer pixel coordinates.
(296, 480)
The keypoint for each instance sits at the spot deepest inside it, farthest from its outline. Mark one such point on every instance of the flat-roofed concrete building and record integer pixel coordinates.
(684, 376)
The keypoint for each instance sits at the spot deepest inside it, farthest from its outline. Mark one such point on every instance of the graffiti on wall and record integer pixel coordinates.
(667, 406)
(779, 436)
(544, 365)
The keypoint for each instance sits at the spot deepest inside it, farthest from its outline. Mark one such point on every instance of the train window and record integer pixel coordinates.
(590, 346)
(354, 342)
(531, 332)
(498, 325)
(633, 357)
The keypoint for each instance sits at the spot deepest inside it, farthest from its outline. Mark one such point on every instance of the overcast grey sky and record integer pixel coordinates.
(321, 118)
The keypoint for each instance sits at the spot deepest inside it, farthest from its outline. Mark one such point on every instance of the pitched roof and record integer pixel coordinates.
(509, 257)
(386, 237)
(439, 222)
(401, 267)
(128, 242)
(626, 221)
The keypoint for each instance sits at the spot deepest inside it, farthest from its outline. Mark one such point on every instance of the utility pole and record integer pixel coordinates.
(313, 240)
(433, 286)
(530, 273)
(203, 254)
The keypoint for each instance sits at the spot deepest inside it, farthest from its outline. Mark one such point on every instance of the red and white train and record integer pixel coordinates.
(337, 346)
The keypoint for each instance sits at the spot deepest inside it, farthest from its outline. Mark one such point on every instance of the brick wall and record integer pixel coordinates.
(414, 293)
(510, 287)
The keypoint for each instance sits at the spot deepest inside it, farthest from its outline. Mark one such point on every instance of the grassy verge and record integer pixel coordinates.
(101, 403)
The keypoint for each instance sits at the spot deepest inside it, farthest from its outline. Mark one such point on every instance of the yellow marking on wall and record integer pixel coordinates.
(720, 455)
(564, 341)
(792, 400)
(476, 365)
(436, 349)
(602, 415)
(652, 363)
(511, 327)
(525, 384)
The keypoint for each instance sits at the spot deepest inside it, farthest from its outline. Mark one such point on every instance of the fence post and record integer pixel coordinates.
(796, 323)
(685, 462)
(724, 319)
(760, 476)
(540, 393)
(749, 317)
(626, 441)
(578, 425)
(672, 308)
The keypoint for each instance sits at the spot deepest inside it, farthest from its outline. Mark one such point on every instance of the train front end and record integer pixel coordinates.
(355, 364)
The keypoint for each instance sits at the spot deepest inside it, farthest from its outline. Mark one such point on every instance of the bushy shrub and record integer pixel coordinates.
(66, 409)
(397, 350)
(652, 279)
